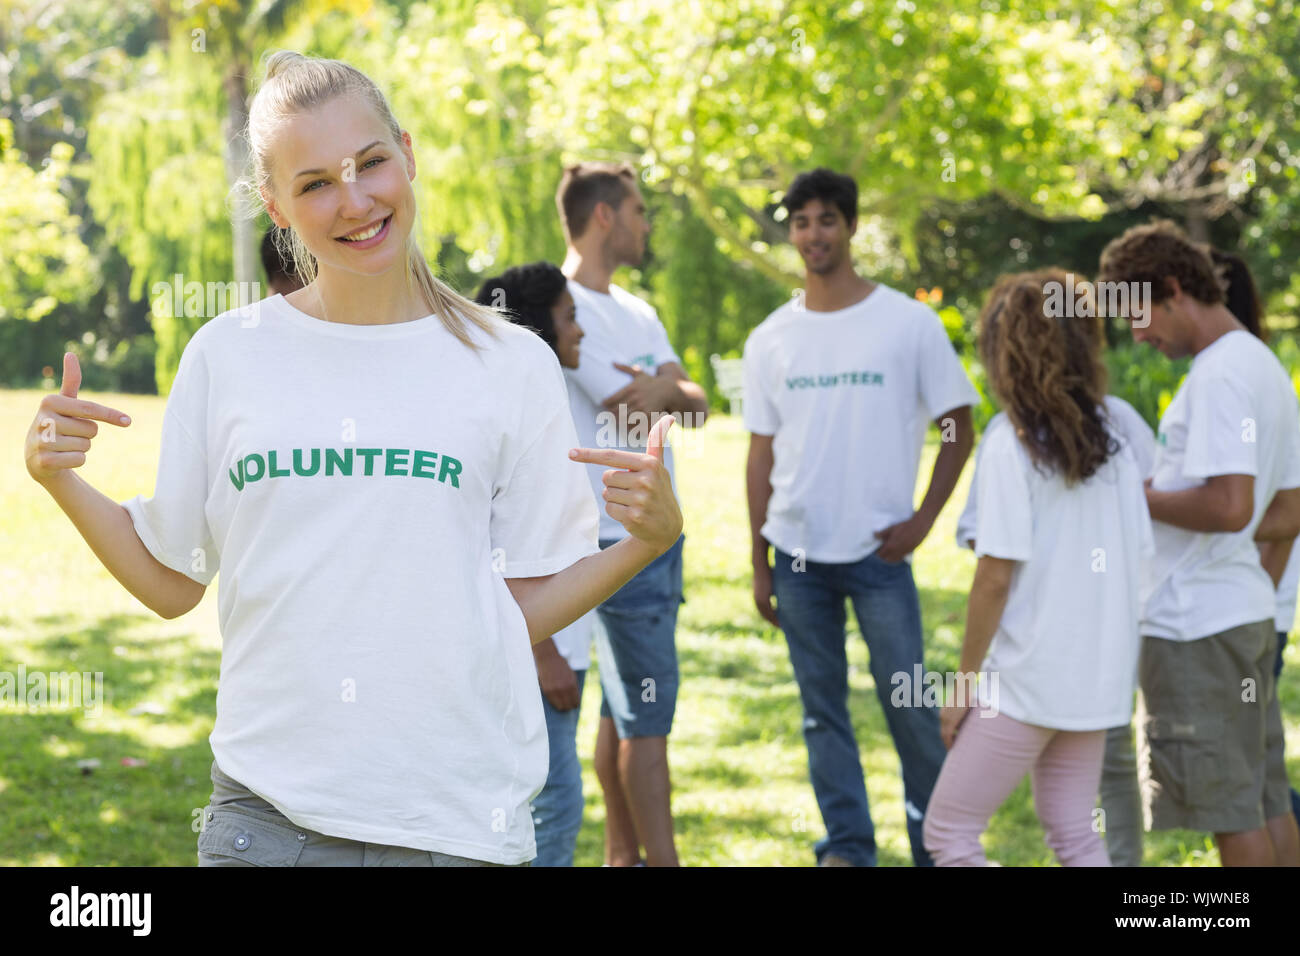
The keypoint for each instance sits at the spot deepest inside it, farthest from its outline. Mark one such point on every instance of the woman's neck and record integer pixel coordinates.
(350, 299)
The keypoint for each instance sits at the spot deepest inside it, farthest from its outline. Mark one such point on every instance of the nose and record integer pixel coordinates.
(356, 201)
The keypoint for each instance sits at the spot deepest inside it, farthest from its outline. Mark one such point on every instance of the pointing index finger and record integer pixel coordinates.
(80, 408)
(612, 457)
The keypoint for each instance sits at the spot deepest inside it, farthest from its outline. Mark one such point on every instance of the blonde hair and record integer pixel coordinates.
(295, 83)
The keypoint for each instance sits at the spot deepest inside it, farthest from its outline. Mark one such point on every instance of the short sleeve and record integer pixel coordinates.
(544, 516)
(1222, 422)
(172, 523)
(663, 349)
(759, 413)
(1291, 473)
(1004, 526)
(944, 383)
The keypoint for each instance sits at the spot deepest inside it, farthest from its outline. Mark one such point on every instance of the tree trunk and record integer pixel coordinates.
(245, 251)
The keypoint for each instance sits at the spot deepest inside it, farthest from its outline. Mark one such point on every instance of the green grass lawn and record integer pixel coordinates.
(741, 791)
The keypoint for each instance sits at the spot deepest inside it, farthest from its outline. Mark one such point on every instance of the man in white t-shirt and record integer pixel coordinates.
(840, 387)
(629, 375)
(1227, 472)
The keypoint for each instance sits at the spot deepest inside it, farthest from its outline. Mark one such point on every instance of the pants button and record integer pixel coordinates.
(243, 841)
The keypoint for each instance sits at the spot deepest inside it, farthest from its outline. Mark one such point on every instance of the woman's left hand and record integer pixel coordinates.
(950, 719)
(638, 491)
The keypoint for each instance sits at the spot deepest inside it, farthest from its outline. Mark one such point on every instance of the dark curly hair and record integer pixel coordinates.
(1047, 373)
(1156, 252)
(526, 294)
(828, 186)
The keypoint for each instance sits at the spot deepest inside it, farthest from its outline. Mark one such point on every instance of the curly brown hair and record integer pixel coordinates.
(1046, 372)
(1156, 252)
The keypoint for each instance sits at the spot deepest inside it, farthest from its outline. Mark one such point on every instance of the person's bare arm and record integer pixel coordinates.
(108, 529)
(901, 539)
(641, 499)
(1281, 520)
(758, 491)
(1225, 503)
(668, 390)
(987, 601)
(1273, 556)
(58, 442)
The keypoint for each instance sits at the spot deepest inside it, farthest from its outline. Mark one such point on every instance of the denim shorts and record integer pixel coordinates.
(242, 829)
(636, 647)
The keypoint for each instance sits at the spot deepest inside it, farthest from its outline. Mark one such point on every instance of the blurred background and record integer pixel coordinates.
(985, 137)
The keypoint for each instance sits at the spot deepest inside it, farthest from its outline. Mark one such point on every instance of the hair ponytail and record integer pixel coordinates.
(294, 83)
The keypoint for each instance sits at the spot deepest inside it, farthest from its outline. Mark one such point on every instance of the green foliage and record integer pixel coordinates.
(44, 260)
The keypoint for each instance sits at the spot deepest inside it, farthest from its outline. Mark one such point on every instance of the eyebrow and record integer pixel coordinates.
(361, 152)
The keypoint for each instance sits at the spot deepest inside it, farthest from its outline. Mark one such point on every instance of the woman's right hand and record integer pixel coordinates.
(60, 435)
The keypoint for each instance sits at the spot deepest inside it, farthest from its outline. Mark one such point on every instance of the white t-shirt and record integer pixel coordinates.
(1124, 421)
(365, 491)
(622, 328)
(1066, 650)
(1286, 593)
(574, 642)
(848, 396)
(1235, 414)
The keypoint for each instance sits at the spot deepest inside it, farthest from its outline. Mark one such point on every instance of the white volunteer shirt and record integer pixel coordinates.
(618, 327)
(1123, 420)
(848, 396)
(574, 642)
(1286, 593)
(1066, 649)
(1235, 413)
(365, 491)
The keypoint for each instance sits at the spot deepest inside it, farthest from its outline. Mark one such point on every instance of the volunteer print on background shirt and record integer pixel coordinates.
(365, 491)
(848, 396)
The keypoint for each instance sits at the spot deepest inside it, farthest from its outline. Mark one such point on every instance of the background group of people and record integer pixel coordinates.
(1099, 548)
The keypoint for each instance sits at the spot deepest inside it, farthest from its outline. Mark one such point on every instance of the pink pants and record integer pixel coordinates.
(988, 760)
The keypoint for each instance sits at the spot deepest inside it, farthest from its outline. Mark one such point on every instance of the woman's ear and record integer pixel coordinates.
(409, 152)
(272, 210)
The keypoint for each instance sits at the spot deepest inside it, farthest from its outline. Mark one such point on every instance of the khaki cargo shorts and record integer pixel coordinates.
(1210, 751)
(242, 829)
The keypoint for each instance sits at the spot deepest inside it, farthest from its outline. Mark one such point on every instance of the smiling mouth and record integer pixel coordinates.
(366, 232)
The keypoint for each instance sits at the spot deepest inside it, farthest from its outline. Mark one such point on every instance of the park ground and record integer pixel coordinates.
(741, 791)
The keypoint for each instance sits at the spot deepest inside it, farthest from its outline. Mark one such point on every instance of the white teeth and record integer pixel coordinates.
(369, 233)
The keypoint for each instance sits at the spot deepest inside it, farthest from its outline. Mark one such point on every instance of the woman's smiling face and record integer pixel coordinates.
(338, 173)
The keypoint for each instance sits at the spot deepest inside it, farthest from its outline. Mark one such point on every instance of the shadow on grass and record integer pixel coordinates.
(53, 812)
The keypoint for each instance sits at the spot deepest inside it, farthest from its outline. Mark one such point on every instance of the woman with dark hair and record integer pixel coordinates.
(536, 296)
(1052, 622)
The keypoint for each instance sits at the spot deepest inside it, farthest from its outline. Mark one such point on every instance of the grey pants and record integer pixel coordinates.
(242, 829)
(1121, 798)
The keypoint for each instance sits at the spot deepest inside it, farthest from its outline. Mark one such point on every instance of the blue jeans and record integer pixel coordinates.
(557, 810)
(636, 646)
(810, 607)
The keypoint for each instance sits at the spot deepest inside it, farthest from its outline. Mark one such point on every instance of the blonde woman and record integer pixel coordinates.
(384, 472)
